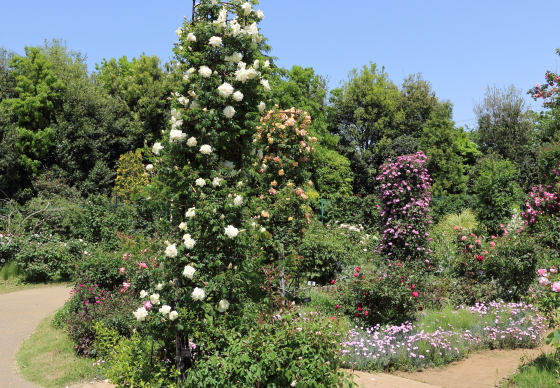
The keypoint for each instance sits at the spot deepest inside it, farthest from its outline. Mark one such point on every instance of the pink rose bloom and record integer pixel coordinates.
(147, 304)
(414, 294)
(121, 270)
(333, 281)
(492, 244)
(556, 286)
(356, 274)
(463, 238)
(126, 285)
(477, 242)
(553, 270)
(542, 271)
(143, 265)
(544, 281)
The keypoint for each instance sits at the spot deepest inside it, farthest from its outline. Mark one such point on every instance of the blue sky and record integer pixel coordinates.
(461, 47)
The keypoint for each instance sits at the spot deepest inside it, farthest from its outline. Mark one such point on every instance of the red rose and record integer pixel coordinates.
(412, 286)
(414, 294)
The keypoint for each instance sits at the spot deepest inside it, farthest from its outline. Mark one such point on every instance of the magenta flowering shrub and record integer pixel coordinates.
(549, 91)
(542, 201)
(405, 201)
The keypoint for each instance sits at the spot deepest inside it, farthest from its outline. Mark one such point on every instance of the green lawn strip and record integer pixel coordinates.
(8, 286)
(47, 358)
(543, 372)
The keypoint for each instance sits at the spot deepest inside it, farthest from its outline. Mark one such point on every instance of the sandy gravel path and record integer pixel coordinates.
(20, 313)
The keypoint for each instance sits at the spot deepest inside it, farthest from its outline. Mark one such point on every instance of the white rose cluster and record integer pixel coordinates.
(238, 200)
(205, 71)
(176, 135)
(141, 314)
(191, 142)
(225, 89)
(205, 149)
(235, 58)
(229, 111)
(171, 250)
(217, 181)
(215, 41)
(189, 242)
(190, 212)
(200, 182)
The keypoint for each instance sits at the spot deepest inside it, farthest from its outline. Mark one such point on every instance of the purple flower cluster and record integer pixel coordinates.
(405, 200)
(496, 325)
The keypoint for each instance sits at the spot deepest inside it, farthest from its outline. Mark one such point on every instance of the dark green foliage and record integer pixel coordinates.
(450, 204)
(354, 210)
(497, 192)
(548, 159)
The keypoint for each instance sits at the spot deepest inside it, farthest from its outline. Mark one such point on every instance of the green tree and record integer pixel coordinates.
(505, 127)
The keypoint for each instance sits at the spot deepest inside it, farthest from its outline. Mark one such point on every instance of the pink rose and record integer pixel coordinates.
(414, 294)
(463, 238)
(544, 281)
(147, 304)
(556, 286)
(122, 269)
(143, 265)
(542, 271)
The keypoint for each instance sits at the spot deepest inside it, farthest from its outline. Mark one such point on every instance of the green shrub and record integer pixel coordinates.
(451, 204)
(355, 210)
(10, 271)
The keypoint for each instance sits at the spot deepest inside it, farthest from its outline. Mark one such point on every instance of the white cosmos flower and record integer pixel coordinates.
(238, 200)
(238, 96)
(225, 89)
(266, 86)
(191, 142)
(235, 58)
(198, 294)
(215, 41)
(191, 37)
(189, 242)
(154, 298)
(165, 309)
(200, 182)
(189, 271)
(176, 135)
(190, 212)
(173, 315)
(149, 167)
(205, 71)
(156, 148)
(229, 112)
(262, 107)
(205, 149)
(217, 181)
(183, 226)
(141, 314)
(223, 305)
(231, 231)
(246, 7)
(143, 294)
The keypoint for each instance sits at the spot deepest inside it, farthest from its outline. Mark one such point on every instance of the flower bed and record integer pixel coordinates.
(435, 341)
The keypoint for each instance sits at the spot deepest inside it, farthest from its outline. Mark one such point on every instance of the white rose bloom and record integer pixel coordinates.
(205, 71)
(205, 149)
(185, 78)
(191, 37)
(238, 96)
(191, 142)
(175, 123)
(215, 41)
(156, 148)
(217, 181)
(176, 114)
(198, 294)
(259, 14)
(235, 28)
(179, 31)
(262, 107)
(154, 298)
(231, 231)
(190, 212)
(200, 182)
(191, 70)
(223, 305)
(229, 112)
(189, 242)
(251, 73)
(266, 64)
(183, 100)
(235, 58)
(194, 105)
(222, 18)
(149, 167)
(238, 200)
(241, 65)
(225, 89)
(183, 226)
(171, 250)
(241, 75)
(227, 164)
(240, 184)
(141, 314)
(246, 7)
(189, 271)
(173, 315)
(159, 286)
(143, 294)
(165, 309)
(256, 64)
(176, 135)
(266, 86)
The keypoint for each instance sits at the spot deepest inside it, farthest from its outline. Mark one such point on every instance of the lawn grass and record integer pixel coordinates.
(543, 372)
(47, 358)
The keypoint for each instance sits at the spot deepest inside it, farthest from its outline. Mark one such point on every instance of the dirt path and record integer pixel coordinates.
(20, 313)
(484, 369)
